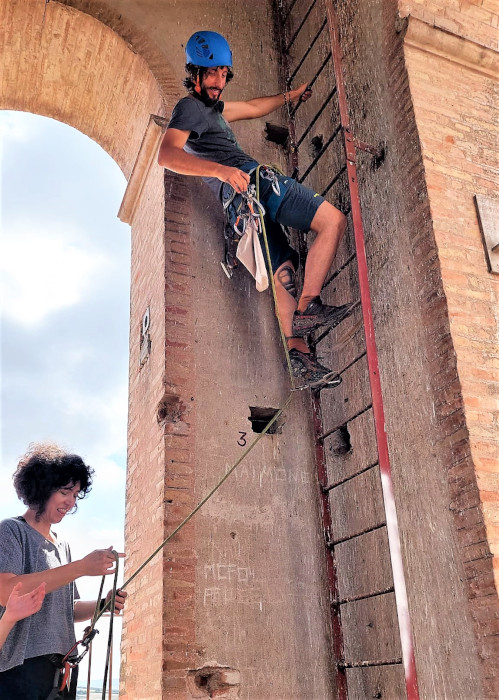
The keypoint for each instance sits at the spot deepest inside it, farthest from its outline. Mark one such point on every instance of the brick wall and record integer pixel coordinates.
(179, 427)
(439, 481)
(105, 90)
(144, 528)
(457, 124)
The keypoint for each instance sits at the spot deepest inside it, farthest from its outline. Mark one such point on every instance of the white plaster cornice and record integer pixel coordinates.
(443, 43)
(146, 157)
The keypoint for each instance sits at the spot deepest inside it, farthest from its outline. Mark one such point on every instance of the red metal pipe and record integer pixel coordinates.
(372, 359)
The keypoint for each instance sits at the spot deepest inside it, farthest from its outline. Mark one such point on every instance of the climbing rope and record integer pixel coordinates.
(112, 603)
(254, 203)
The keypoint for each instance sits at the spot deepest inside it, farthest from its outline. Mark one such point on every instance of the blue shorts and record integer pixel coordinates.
(295, 206)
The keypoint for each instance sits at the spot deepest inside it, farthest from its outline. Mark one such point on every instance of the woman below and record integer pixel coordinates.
(50, 482)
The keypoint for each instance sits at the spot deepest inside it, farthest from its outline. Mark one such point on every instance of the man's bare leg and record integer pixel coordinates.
(329, 224)
(286, 303)
(304, 365)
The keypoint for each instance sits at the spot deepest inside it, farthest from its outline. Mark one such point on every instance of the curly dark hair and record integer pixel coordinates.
(44, 469)
(194, 71)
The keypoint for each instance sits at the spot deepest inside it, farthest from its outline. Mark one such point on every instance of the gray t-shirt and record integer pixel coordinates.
(23, 550)
(211, 137)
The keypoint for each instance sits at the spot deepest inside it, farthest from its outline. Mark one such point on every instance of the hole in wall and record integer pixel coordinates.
(170, 409)
(316, 145)
(340, 443)
(260, 417)
(379, 159)
(214, 682)
(202, 680)
(276, 133)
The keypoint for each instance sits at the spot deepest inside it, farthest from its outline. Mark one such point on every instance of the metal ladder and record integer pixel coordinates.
(372, 641)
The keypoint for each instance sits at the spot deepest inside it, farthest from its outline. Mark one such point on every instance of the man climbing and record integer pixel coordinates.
(199, 141)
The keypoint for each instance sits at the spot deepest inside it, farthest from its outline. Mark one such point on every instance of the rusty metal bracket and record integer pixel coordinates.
(353, 144)
(362, 146)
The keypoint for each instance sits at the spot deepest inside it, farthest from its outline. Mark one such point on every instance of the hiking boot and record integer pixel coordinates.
(306, 366)
(318, 314)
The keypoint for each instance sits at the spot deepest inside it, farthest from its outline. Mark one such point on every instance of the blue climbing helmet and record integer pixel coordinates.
(208, 50)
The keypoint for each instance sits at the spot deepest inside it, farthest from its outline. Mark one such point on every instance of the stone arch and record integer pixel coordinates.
(82, 64)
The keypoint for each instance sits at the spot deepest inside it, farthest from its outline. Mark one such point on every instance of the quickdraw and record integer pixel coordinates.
(247, 212)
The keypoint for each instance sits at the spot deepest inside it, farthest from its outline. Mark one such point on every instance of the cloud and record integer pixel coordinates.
(61, 382)
(44, 270)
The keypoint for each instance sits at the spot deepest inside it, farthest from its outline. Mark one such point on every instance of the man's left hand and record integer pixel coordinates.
(300, 94)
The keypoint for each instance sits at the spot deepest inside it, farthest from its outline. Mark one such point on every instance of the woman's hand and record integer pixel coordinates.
(100, 562)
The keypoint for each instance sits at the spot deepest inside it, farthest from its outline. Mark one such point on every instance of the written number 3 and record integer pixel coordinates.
(242, 439)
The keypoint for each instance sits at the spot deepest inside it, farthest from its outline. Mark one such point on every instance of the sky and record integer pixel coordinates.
(64, 281)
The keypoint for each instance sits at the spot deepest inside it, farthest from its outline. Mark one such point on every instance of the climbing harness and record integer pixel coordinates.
(242, 212)
(65, 678)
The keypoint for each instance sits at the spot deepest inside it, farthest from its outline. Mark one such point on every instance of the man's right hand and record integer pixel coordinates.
(234, 177)
(100, 562)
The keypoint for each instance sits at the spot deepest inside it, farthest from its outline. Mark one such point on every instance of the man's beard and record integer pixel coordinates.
(206, 99)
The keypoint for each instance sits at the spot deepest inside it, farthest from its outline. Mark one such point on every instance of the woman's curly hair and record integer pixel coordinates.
(194, 71)
(44, 469)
